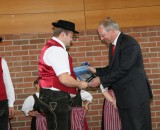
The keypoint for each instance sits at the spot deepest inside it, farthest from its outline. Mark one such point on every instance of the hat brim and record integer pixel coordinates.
(1, 39)
(60, 26)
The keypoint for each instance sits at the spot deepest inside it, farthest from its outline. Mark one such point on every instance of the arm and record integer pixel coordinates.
(27, 107)
(69, 81)
(57, 57)
(9, 88)
(101, 71)
(87, 98)
(127, 58)
(33, 113)
(108, 96)
(87, 106)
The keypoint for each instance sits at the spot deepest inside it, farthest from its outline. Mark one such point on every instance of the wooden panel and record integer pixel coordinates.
(33, 23)
(128, 17)
(34, 16)
(39, 6)
(113, 4)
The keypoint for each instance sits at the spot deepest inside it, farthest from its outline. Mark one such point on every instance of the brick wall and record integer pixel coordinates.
(22, 51)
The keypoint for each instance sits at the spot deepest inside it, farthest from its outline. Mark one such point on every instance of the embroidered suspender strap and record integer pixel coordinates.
(53, 104)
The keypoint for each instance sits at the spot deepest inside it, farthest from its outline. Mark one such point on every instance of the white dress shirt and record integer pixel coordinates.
(28, 104)
(57, 58)
(115, 41)
(8, 84)
(86, 96)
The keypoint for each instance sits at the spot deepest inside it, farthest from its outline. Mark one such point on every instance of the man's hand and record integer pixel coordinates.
(11, 112)
(33, 113)
(95, 82)
(83, 85)
(93, 70)
(114, 103)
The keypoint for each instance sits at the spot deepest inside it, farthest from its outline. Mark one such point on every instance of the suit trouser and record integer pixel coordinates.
(4, 115)
(136, 118)
(58, 113)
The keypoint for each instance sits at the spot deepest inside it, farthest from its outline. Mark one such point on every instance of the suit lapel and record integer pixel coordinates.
(110, 53)
(112, 58)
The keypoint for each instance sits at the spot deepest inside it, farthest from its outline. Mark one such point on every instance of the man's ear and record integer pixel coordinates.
(63, 34)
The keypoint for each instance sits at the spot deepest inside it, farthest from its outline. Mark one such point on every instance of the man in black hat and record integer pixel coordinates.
(57, 80)
(7, 96)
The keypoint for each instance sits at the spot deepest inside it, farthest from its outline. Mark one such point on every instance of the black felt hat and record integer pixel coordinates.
(66, 25)
(1, 39)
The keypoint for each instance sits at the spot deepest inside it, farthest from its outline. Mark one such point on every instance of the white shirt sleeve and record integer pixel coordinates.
(8, 84)
(57, 57)
(86, 96)
(103, 89)
(28, 105)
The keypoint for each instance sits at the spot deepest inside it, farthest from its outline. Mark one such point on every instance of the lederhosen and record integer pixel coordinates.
(56, 106)
(4, 121)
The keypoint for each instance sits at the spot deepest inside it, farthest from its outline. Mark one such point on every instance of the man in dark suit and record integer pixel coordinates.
(125, 74)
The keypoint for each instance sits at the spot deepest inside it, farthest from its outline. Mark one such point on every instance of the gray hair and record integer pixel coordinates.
(109, 23)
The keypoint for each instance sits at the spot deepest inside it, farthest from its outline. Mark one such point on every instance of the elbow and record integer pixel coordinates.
(63, 79)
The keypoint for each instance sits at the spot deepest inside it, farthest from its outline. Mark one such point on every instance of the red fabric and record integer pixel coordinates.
(3, 94)
(85, 124)
(113, 48)
(47, 75)
(78, 119)
(111, 116)
(41, 123)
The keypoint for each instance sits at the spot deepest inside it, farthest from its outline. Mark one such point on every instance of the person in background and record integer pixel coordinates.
(126, 75)
(31, 108)
(78, 112)
(110, 115)
(7, 95)
(58, 81)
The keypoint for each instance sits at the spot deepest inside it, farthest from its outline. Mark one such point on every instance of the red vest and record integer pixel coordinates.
(47, 74)
(3, 94)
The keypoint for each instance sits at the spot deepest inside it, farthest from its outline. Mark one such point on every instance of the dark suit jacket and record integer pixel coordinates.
(125, 73)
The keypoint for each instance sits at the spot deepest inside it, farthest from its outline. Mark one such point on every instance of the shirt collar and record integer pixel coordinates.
(60, 42)
(115, 41)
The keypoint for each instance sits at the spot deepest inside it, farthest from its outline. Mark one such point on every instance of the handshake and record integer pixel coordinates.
(87, 73)
(96, 80)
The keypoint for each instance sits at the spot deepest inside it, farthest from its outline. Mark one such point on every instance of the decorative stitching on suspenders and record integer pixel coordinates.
(49, 107)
